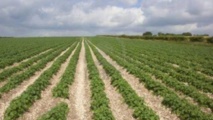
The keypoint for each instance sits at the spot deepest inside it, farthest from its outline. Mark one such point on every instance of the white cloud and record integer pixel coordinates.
(182, 28)
(109, 16)
(130, 2)
(112, 16)
(47, 10)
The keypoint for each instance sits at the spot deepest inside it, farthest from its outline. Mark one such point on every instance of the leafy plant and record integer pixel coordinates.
(59, 112)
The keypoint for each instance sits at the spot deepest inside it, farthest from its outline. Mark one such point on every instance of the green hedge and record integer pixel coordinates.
(172, 38)
(210, 40)
(197, 39)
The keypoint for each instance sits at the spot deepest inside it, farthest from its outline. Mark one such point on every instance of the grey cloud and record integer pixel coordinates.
(70, 17)
(172, 13)
(53, 16)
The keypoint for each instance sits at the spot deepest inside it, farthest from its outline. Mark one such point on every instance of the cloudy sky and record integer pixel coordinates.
(92, 17)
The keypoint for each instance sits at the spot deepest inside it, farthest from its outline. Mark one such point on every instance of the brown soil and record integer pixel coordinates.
(80, 92)
(154, 102)
(119, 109)
(2, 83)
(8, 97)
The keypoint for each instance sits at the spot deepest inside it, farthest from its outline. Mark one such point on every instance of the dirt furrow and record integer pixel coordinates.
(210, 95)
(47, 101)
(119, 109)
(14, 74)
(18, 63)
(154, 102)
(2, 83)
(80, 91)
(208, 76)
(8, 97)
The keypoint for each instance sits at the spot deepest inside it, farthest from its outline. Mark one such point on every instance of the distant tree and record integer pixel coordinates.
(210, 40)
(123, 35)
(148, 33)
(205, 34)
(161, 34)
(202, 35)
(187, 34)
(170, 34)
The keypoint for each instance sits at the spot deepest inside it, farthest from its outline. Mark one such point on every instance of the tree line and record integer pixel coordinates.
(186, 36)
(148, 33)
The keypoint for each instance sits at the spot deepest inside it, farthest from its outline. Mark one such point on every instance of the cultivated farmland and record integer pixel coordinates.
(105, 78)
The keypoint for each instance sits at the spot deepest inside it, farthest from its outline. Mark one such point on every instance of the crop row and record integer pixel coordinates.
(200, 82)
(159, 66)
(163, 59)
(169, 77)
(192, 56)
(193, 64)
(183, 69)
(10, 71)
(186, 75)
(59, 112)
(99, 100)
(7, 61)
(169, 81)
(181, 107)
(17, 49)
(14, 81)
(62, 88)
(141, 111)
(17, 57)
(22, 103)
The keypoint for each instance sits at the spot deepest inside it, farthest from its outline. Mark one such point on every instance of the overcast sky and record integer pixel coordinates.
(92, 17)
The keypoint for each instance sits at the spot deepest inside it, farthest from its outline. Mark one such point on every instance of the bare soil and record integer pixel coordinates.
(210, 77)
(120, 110)
(80, 92)
(2, 83)
(175, 65)
(14, 74)
(210, 95)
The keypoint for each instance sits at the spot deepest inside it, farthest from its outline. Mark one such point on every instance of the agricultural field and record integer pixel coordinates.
(105, 78)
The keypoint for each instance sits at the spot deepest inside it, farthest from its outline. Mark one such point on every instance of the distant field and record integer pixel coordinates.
(105, 78)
